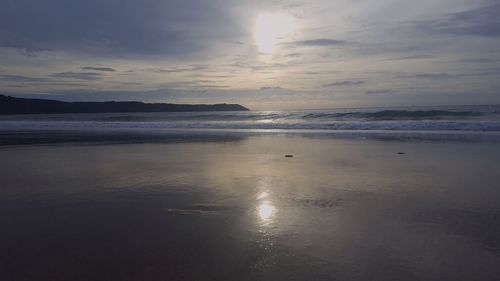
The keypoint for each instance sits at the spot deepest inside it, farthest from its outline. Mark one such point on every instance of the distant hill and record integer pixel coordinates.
(12, 105)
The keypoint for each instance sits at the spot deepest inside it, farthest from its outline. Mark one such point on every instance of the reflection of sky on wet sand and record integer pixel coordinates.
(347, 209)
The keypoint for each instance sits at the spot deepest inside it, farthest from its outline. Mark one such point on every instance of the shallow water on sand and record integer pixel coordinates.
(238, 209)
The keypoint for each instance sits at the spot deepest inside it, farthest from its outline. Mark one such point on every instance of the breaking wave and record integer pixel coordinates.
(458, 118)
(398, 114)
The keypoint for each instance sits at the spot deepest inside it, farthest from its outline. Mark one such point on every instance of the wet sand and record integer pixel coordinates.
(235, 208)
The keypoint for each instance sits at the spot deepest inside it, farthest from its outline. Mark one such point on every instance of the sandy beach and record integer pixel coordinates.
(235, 208)
(236, 140)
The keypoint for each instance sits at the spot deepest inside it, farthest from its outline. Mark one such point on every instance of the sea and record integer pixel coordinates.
(469, 120)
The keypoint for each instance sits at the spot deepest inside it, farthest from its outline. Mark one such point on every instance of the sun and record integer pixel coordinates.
(271, 29)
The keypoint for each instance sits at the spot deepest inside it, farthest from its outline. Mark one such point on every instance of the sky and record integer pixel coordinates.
(266, 55)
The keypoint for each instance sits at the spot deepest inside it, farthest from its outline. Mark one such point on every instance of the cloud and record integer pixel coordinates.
(179, 69)
(270, 88)
(477, 60)
(31, 52)
(412, 57)
(210, 76)
(97, 68)
(343, 83)
(482, 21)
(443, 76)
(378, 92)
(432, 76)
(20, 78)
(104, 95)
(193, 84)
(320, 42)
(78, 75)
(116, 28)
(485, 72)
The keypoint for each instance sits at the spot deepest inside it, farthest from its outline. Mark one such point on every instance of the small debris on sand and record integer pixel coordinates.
(401, 153)
(289, 155)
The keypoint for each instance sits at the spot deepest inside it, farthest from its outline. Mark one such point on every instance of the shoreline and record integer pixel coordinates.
(117, 136)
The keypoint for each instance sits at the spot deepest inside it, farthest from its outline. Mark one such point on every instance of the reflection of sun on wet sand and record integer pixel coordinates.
(265, 211)
(346, 209)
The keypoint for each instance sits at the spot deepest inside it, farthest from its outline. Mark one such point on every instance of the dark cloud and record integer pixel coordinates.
(56, 83)
(257, 66)
(179, 69)
(480, 22)
(443, 76)
(270, 88)
(318, 42)
(412, 57)
(116, 27)
(131, 83)
(31, 52)
(194, 84)
(477, 60)
(485, 72)
(97, 68)
(378, 92)
(210, 75)
(432, 76)
(212, 86)
(293, 55)
(21, 78)
(343, 83)
(97, 95)
(78, 75)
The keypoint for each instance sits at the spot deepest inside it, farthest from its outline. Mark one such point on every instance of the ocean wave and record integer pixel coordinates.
(396, 115)
(370, 114)
(388, 125)
(219, 116)
(335, 116)
(298, 116)
(450, 118)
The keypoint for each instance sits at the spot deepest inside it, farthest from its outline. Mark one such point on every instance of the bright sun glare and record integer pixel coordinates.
(271, 29)
(265, 211)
